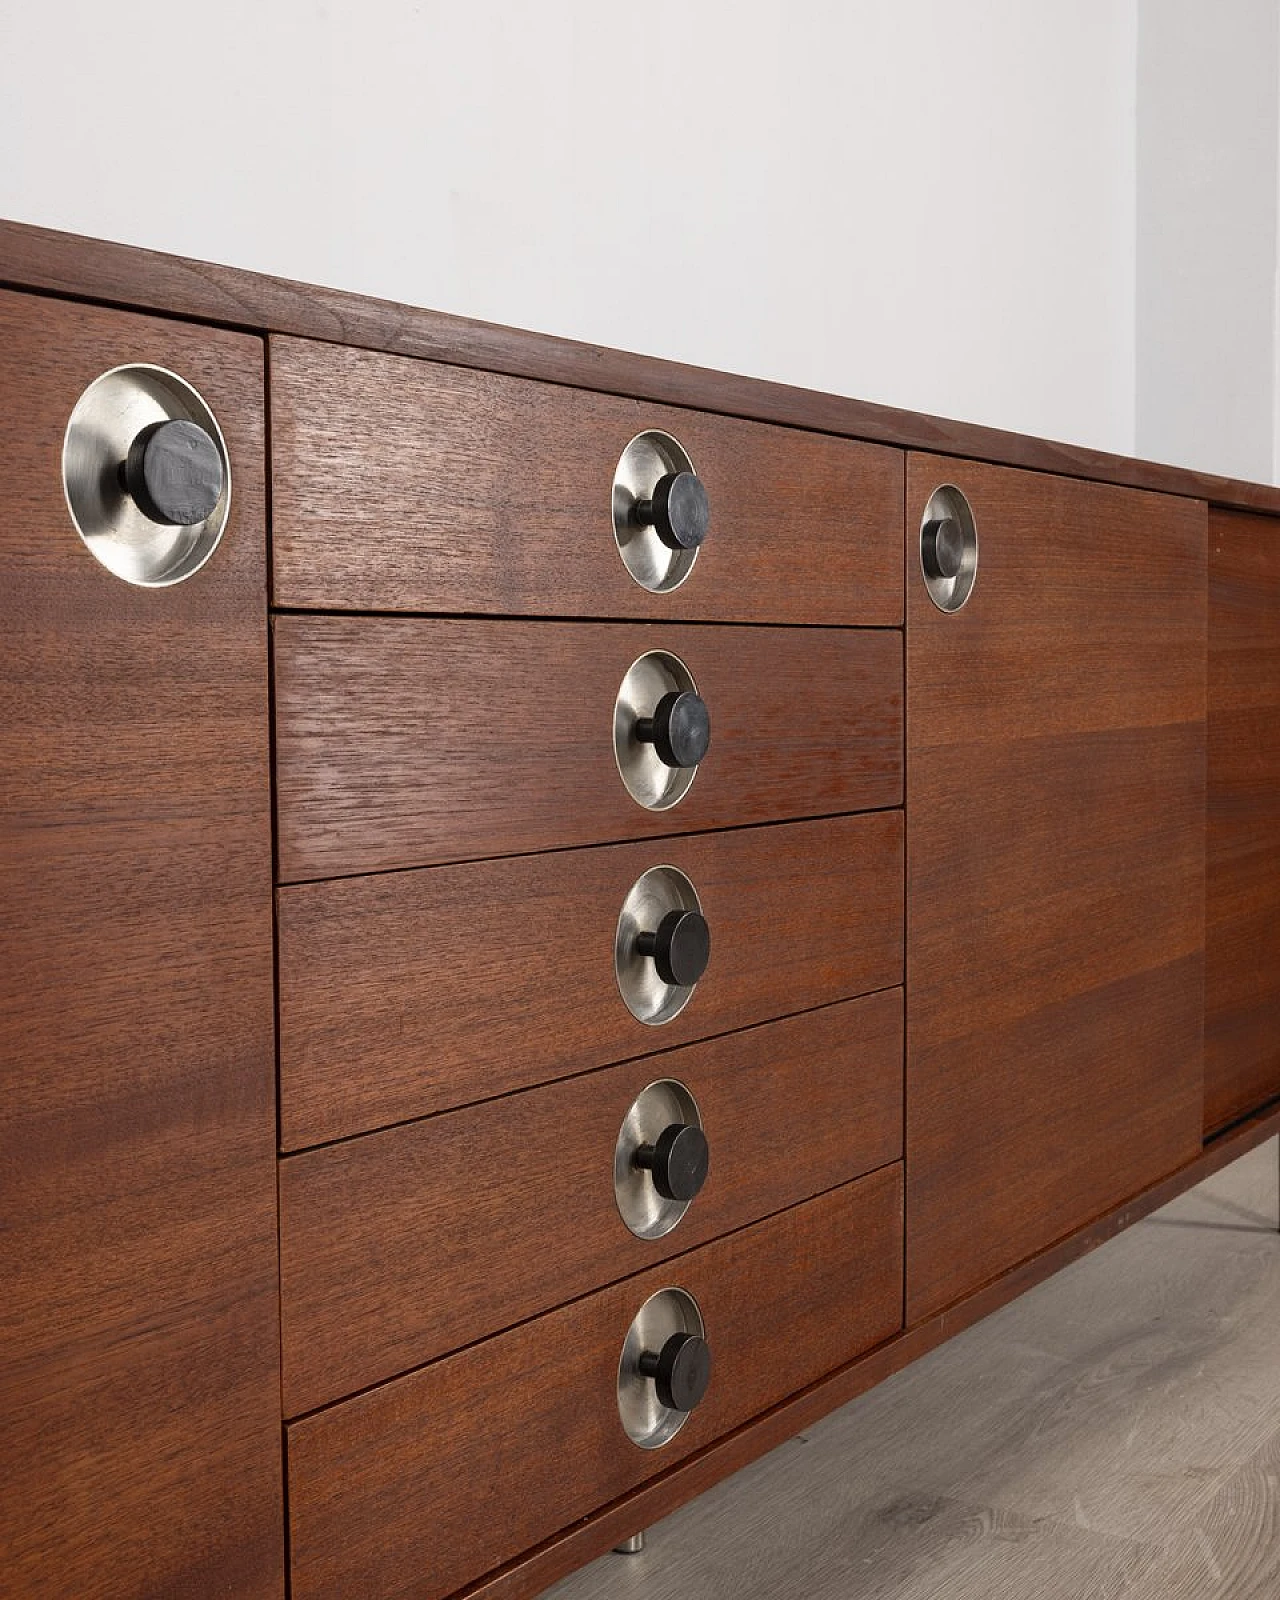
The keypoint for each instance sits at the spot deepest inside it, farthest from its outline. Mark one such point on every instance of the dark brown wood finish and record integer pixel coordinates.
(403, 742)
(408, 993)
(1055, 984)
(403, 1245)
(533, 1572)
(139, 1386)
(1055, 869)
(95, 269)
(422, 1485)
(1242, 957)
(403, 485)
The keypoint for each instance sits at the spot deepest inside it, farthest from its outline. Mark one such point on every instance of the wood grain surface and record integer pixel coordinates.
(403, 742)
(1231, 1548)
(420, 1486)
(403, 1245)
(402, 485)
(1113, 1434)
(1055, 900)
(530, 1574)
(408, 993)
(118, 274)
(139, 1384)
(1242, 955)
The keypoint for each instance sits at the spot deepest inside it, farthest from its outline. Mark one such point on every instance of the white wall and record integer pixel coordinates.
(1208, 93)
(925, 202)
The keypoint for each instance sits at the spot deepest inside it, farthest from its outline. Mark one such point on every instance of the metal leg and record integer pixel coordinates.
(632, 1546)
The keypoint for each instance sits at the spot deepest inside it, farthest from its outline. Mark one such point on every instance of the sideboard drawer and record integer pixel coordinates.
(403, 1245)
(405, 485)
(421, 1485)
(410, 992)
(402, 742)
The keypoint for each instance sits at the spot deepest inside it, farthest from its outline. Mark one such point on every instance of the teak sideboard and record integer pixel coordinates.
(564, 915)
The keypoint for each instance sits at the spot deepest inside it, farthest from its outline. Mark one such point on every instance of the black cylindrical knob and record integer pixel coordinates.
(680, 948)
(942, 548)
(679, 729)
(681, 1370)
(173, 473)
(679, 512)
(678, 1161)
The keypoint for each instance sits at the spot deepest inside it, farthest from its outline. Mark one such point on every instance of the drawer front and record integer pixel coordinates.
(406, 742)
(408, 993)
(422, 1485)
(403, 1245)
(404, 485)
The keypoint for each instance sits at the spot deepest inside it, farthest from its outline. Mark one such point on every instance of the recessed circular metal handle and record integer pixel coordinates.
(660, 510)
(660, 1159)
(661, 730)
(678, 1161)
(679, 729)
(146, 474)
(655, 950)
(681, 1370)
(679, 511)
(680, 947)
(663, 1369)
(173, 473)
(948, 548)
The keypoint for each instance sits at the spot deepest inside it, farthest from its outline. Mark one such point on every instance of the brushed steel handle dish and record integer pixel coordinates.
(661, 511)
(948, 548)
(664, 1370)
(661, 1158)
(146, 475)
(662, 945)
(661, 730)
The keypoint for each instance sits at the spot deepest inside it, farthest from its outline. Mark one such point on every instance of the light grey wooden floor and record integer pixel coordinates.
(1115, 1433)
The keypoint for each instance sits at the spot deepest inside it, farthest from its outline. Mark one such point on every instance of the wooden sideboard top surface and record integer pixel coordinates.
(52, 262)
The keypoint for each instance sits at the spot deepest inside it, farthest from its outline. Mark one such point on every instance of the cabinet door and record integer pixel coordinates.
(139, 1387)
(1055, 867)
(1242, 975)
